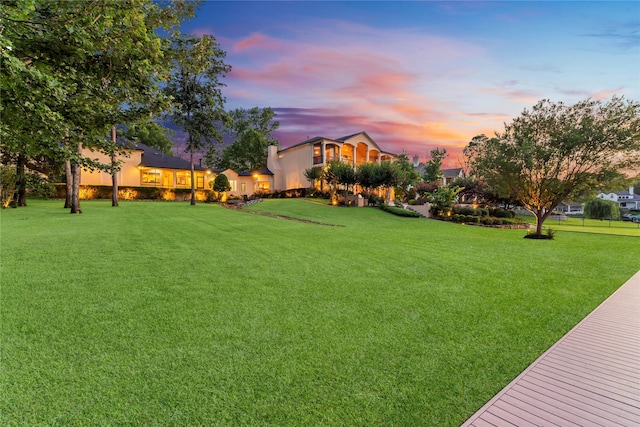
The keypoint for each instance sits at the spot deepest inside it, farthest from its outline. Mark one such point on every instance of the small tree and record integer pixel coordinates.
(313, 174)
(443, 199)
(407, 175)
(598, 208)
(221, 184)
(368, 176)
(433, 167)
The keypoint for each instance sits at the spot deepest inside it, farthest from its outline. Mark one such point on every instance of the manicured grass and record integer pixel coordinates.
(580, 225)
(161, 313)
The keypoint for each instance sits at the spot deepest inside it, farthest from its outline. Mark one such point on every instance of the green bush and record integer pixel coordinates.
(400, 212)
(501, 213)
(471, 219)
(464, 210)
(7, 185)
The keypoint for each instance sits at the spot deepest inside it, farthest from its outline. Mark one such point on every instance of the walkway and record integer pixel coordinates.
(591, 377)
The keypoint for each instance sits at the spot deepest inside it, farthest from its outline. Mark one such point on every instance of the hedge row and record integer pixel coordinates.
(93, 192)
(400, 212)
(481, 212)
(485, 220)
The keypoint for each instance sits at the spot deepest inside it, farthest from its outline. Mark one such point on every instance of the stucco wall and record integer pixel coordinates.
(128, 175)
(293, 163)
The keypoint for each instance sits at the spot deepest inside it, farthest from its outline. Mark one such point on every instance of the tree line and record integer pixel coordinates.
(74, 71)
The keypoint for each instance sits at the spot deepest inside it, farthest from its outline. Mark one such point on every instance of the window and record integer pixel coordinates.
(200, 181)
(243, 187)
(233, 184)
(151, 176)
(317, 154)
(264, 186)
(183, 179)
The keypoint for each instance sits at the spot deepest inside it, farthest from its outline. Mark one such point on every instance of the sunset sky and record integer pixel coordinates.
(419, 75)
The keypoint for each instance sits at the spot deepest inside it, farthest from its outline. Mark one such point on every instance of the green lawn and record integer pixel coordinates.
(581, 225)
(161, 313)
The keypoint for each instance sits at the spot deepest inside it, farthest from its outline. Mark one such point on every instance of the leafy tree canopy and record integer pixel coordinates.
(250, 131)
(150, 133)
(196, 89)
(597, 208)
(221, 183)
(555, 152)
(433, 167)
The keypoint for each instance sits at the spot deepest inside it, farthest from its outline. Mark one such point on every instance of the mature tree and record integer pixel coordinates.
(598, 208)
(555, 152)
(433, 167)
(151, 133)
(196, 89)
(75, 69)
(313, 174)
(250, 131)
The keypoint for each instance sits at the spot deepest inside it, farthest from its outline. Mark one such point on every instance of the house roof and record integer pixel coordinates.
(339, 140)
(451, 173)
(263, 171)
(154, 158)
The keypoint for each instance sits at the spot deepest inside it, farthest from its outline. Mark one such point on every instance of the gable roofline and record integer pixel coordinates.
(341, 140)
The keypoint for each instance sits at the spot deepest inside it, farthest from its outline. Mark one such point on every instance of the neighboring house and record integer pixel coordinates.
(627, 199)
(570, 208)
(248, 183)
(149, 167)
(289, 164)
(449, 175)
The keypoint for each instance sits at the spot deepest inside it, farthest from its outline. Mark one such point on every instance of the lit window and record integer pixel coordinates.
(151, 176)
(182, 179)
(243, 187)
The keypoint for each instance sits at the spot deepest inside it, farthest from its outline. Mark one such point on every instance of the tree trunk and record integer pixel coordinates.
(21, 182)
(539, 222)
(69, 175)
(114, 176)
(75, 187)
(193, 179)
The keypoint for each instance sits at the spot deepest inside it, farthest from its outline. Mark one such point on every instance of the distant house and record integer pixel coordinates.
(627, 199)
(570, 208)
(448, 175)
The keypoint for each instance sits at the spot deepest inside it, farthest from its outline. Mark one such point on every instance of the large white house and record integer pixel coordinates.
(144, 166)
(627, 199)
(289, 164)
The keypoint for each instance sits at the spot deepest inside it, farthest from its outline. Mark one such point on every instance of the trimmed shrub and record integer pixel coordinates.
(400, 212)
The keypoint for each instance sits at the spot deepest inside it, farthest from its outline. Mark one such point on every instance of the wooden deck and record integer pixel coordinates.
(591, 377)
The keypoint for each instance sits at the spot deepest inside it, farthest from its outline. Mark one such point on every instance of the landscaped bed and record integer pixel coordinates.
(162, 313)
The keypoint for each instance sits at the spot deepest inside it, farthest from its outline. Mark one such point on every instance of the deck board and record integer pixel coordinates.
(590, 377)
